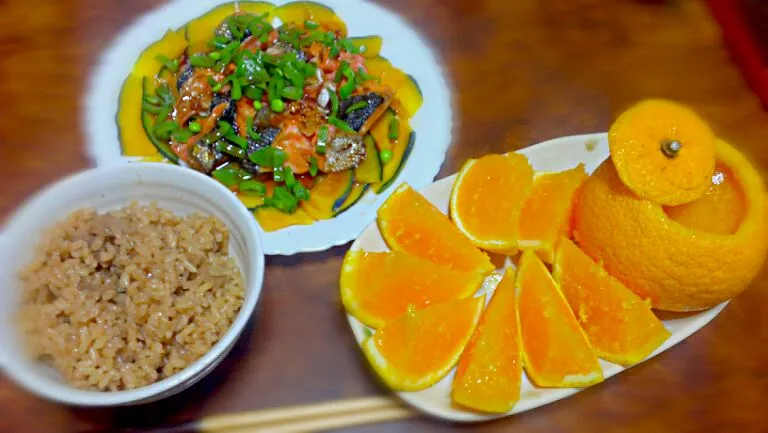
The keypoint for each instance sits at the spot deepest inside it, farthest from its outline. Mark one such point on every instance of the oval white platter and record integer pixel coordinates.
(553, 155)
(402, 46)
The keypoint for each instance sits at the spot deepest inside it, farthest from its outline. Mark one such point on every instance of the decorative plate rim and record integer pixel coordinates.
(403, 46)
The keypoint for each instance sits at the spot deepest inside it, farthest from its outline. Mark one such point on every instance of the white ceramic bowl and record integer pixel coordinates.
(106, 188)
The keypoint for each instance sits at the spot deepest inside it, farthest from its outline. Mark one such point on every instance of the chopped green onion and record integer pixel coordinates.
(335, 121)
(253, 186)
(263, 157)
(238, 140)
(322, 140)
(290, 179)
(216, 87)
(278, 174)
(279, 157)
(173, 65)
(348, 46)
(181, 135)
(282, 200)
(277, 105)
(294, 93)
(165, 112)
(164, 129)
(149, 108)
(234, 27)
(309, 69)
(154, 100)
(394, 128)
(215, 55)
(385, 155)
(334, 51)
(228, 175)
(257, 105)
(334, 102)
(245, 175)
(300, 192)
(312, 166)
(224, 127)
(201, 60)
(229, 149)
(195, 126)
(294, 76)
(249, 129)
(356, 106)
(254, 93)
(364, 76)
(164, 92)
(219, 42)
(310, 25)
(236, 92)
(346, 90)
(340, 72)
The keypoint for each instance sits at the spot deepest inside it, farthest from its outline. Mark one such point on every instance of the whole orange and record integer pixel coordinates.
(677, 267)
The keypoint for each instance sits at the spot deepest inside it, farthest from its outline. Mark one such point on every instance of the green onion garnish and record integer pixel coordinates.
(335, 121)
(253, 186)
(279, 157)
(394, 128)
(165, 112)
(290, 179)
(312, 166)
(151, 99)
(322, 139)
(216, 87)
(254, 93)
(236, 92)
(356, 106)
(224, 127)
(263, 157)
(202, 61)
(195, 127)
(149, 108)
(164, 92)
(346, 90)
(278, 174)
(334, 102)
(181, 135)
(229, 149)
(238, 140)
(310, 25)
(291, 92)
(215, 55)
(173, 65)
(164, 129)
(257, 105)
(219, 42)
(300, 192)
(227, 175)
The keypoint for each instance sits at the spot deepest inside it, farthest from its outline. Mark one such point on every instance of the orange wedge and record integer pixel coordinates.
(546, 214)
(417, 349)
(410, 223)
(620, 326)
(377, 287)
(490, 369)
(555, 351)
(487, 198)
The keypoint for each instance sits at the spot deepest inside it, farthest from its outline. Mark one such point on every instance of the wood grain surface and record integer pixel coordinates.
(521, 71)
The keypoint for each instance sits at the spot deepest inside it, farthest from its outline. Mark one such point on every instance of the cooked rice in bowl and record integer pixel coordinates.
(120, 300)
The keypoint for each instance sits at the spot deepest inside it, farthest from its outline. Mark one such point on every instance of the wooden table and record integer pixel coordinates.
(523, 71)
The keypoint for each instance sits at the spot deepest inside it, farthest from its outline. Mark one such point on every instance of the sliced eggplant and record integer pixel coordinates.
(361, 119)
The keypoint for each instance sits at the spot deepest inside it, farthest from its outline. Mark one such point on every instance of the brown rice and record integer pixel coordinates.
(123, 299)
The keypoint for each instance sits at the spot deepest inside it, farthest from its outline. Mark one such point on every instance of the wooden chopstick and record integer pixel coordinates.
(309, 417)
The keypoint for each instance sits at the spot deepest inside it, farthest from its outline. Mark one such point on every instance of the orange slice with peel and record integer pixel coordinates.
(489, 373)
(555, 351)
(663, 151)
(411, 224)
(379, 286)
(619, 325)
(487, 197)
(546, 214)
(677, 267)
(417, 349)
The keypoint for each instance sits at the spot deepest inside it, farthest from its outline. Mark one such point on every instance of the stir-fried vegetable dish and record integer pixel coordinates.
(277, 104)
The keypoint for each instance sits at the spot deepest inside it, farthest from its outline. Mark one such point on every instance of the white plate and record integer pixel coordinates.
(402, 46)
(554, 155)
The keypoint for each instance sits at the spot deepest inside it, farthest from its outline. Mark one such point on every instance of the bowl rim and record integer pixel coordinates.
(67, 394)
